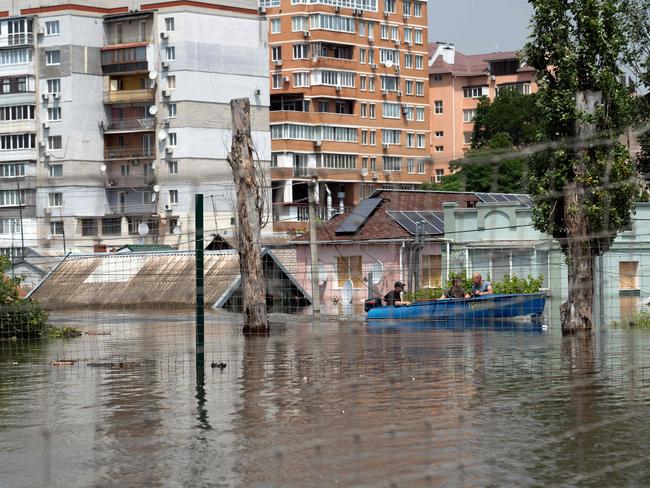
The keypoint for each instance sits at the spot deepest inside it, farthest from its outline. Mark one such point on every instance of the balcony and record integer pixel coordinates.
(129, 208)
(129, 152)
(131, 181)
(130, 125)
(125, 59)
(130, 96)
(17, 40)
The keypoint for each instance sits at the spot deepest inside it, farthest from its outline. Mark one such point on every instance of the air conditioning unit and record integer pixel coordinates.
(357, 11)
(45, 96)
(337, 8)
(371, 40)
(56, 95)
(286, 79)
(277, 62)
(261, 10)
(375, 177)
(306, 33)
(397, 70)
(396, 41)
(164, 35)
(373, 66)
(165, 64)
(338, 87)
(385, 145)
(408, 43)
(318, 143)
(493, 78)
(405, 109)
(168, 207)
(386, 13)
(47, 211)
(169, 149)
(46, 125)
(258, 91)
(166, 121)
(41, 31)
(384, 93)
(135, 162)
(405, 16)
(111, 182)
(387, 172)
(315, 59)
(399, 93)
(166, 93)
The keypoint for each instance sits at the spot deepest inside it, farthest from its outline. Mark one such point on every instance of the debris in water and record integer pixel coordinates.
(63, 362)
(218, 365)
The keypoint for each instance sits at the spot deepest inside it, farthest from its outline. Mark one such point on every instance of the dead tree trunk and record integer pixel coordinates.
(249, 217)
(576, 313)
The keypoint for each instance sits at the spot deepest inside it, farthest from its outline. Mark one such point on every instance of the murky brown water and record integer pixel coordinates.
(330, 404)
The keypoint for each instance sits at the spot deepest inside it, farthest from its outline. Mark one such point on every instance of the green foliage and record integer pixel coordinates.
(63, 332)
(512, 284)
(22, 320)
(640, 320)
(9, 291)
(423, 294)
(576, 47)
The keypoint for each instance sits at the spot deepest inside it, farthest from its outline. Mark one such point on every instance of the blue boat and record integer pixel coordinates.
(459, 309)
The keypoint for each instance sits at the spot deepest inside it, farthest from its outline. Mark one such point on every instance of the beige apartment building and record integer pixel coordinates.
(349, 102)
(456, 83)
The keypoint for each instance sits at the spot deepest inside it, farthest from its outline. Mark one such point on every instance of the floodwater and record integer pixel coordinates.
(327, 404)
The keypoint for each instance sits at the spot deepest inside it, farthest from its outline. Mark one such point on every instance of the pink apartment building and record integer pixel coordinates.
(456, 83)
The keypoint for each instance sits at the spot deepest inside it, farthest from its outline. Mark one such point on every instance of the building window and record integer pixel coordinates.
(173, 140)
(420, 141)
(371, 110)
(169, 24)
(408, 87)
(171, 82)
(349, 268)
(467, 137)
(56, 228)
(173, 223)
(417, 9)
(469, 114)
(52, 57)
(170, 53)
(384, 31)
(275, 26)
(54, 143)
(362, 55)
(363, 110)
(408, 34)
(373, 164)
(391, 163)
(147, 169)
(125, 170)
(300, 23)
(421, 166)
(410, 165)
(9, 226)
(439, 174)
(373, 137)
(419, 61)
(438, 134)
(362, 82)
(410, 139)
(419, 89)
(440, 149)
(12, 170)
(88, 227)
(147, 197)
(628, 272)
(143, 31)
(431, 276)
(408, 60)
(371, 83)
(475, 91)
(364, 137)
(112, 227)
(301, 79)
(55, 170)
(172, 166)
(364, 162)
(436, 78)
(276, 53)
(54, 114)
(277, 82)
(418, 36)
(171, 110)
(12, 198)
(52, 28)
(390, 136)
(55, 199)
(390, 110)
(300, 51)
(173, 197)
(17, 112)
(437, 107)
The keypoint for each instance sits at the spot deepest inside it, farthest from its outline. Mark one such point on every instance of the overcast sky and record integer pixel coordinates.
(480, 26)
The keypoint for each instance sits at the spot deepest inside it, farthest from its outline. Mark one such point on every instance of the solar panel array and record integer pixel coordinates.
(523, 199)
(359, 215)
(433, 223)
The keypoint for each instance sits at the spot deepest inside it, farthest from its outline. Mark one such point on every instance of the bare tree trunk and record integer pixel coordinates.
(249, 206)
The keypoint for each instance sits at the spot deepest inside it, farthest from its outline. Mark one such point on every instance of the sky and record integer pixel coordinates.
(480, 26)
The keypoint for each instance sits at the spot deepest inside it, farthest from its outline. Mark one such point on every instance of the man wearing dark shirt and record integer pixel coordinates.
(394, 297)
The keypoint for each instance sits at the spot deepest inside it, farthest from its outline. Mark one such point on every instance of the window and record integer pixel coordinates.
(364, 162)
(390, 110)
(373, 137)
(277, 82)
(54, 143)
(419, 89)
(469, 114)
(394, 33)
(440, 149)
(148, 197)
(173, 223)
(521, 88)
(391, 163)
(171, 110)
(390, 136)
(371, 83)
(364, 137)
(439, 174)
(408, 87)
(275, 26)
(55, 170)
(173, 197)
(408, 60)
(362, 28)
(421, 140)
(338, 161)
(437, 107)
(349, 268)
(406, 8)
(362, 55)
(384, 31)
(148, 169)
(171, 82)
(431, 275)
(410, 139)
(12, 170)
(408, 111)
(333, 78)
(52, 57)
(16, 56)
(143, 31)
(55, 199)
(17, 112)
(628, 275)
(417, 9)
(52, 28)
(419, 114)
(389, 6)
(467, 137)
(419, 61)
(88, 227)
(125, 170)
(418, 36)
(363, 110)
(276, 53)
(389, 83)
(299, 24)
(334, 23)
(362, 82)
(173, 140)
(54, 114)
(371, 110)
(112, 226)
(438, 134)
(408, 34)
(11, 198)
(421, 166)
(301, 79)
(475, 91)
(170, 53)
(410, 165)
(436, 78)
(300, 51)
(56, 228)
(373, 164)
(389, 56)
(169, 24)
(17, 141)
(9, 226)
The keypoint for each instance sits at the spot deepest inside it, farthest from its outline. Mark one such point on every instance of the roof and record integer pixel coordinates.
(469, 64)
(143, 280)
(145, 248)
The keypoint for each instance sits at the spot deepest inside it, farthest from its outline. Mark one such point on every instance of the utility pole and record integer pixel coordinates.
(250, 204)
(200, 303)
(20, 212)
(313, 249)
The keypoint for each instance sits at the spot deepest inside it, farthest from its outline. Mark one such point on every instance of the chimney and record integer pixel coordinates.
(449, 53)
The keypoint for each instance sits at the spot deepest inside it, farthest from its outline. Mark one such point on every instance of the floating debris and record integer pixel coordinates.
(218, 365)
(121, 364)
(64, 362)
(97, 332)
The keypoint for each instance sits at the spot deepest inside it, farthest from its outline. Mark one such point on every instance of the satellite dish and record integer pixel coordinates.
(377, 272)
(162, 135)
(364, 172)
(177, 231)
(153, 75)
(388, 63)
(102, 168)
(346, 292)
(143, 229)
(156, 188)
(153, 110)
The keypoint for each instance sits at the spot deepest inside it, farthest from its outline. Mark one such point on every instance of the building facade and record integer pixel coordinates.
(456, 84)
(349, 102)
(114, 114)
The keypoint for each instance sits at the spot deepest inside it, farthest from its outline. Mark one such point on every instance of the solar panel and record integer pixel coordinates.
(432, 222)
(520, 198)
(359, 215)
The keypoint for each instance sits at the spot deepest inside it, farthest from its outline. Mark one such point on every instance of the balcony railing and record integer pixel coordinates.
(127, 58)
(129, 96)
(15, 40)
(131, 181)
(299, 212)
(129, 152)
(134, 124)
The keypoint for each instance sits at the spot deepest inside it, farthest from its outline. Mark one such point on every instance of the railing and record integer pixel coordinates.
(299, 212)
(301, 170)
(147, 123)
(131, 181)
(19, 39)
(126, 96)
(122, 152)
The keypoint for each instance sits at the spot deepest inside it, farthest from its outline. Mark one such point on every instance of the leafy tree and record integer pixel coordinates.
(9, 292)
(586, 183)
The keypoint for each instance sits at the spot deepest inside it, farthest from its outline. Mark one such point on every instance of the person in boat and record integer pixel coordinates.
(456, 290)
(394, 297)
(480, 286)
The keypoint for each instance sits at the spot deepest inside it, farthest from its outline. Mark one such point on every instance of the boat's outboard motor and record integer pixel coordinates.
(371, 303)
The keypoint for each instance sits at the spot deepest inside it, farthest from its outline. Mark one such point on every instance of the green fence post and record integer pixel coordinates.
(200, 317)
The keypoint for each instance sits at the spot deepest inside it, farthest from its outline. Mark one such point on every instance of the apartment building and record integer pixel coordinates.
(456, 83)
(113, 114)
(349, 102)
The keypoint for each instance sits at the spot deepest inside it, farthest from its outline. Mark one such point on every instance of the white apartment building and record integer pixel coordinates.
(115, 113)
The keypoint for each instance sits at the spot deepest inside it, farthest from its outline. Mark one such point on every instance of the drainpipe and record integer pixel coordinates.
(453, 115)
(467, 269)
(401, 261)
(329, 202)
(448, 259)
